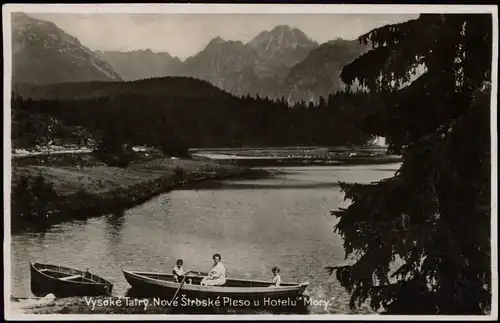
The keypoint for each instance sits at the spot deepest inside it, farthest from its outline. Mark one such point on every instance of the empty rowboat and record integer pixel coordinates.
(66, 282)
(159, 284)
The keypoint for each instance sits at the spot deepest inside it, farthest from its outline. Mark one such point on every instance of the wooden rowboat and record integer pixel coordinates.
(162, 284)
(66, 282)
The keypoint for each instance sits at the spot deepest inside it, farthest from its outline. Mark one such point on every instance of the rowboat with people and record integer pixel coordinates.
(65, 282)
(159, 284)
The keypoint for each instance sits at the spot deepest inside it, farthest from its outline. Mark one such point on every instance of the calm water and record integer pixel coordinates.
(254, 224)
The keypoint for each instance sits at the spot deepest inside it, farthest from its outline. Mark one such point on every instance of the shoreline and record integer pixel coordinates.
(120, 305)
(84, 187)
(156, 176)
(83, 192)
(126, 305)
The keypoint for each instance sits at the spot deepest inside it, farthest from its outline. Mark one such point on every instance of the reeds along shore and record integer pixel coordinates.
(45, 193)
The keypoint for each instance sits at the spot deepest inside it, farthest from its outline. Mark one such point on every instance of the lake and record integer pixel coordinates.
(254, 224)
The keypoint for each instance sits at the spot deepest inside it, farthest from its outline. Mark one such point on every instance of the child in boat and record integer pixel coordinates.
(276, 278)
(178, 270)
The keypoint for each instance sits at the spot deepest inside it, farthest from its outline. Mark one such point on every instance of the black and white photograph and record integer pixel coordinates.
(259, 160)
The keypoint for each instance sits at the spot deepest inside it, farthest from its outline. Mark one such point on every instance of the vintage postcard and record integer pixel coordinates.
(265, 161)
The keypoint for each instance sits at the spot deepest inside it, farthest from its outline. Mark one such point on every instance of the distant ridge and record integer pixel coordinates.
(42, 53)
(141, 64)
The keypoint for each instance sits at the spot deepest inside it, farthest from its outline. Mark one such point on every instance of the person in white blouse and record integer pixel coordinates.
(277, 278)
(217, 275)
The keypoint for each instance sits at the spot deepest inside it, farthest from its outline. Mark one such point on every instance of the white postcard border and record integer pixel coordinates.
(7, 9)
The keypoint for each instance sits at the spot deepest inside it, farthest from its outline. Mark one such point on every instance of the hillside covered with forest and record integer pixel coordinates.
(187, 112)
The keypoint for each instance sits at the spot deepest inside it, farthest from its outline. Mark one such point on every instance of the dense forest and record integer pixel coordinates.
(176, 113)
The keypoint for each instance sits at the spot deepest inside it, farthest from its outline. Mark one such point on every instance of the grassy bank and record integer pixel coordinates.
(88, 188)
(116, 305)
(281, 152)
(311, 161)
(81, 305)
(300, 156)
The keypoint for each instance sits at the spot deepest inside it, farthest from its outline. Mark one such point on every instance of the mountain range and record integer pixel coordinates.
(43, 53)
(282, 62)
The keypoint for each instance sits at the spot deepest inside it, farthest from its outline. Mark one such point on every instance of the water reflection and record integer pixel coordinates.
(224, 185)
(253, 229)
(40, 237)
(114, 227)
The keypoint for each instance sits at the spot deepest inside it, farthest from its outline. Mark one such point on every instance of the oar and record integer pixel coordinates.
(178, 289)
(16, 298)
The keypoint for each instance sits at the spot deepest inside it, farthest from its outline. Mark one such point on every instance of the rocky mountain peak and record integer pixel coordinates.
(319, 73)
(217, 41)
(280, 37)
(44, 53)
(281, 29)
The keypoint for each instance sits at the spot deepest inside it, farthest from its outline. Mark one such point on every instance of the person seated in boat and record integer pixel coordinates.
(178, 270)
(276, 278)
(217, 275)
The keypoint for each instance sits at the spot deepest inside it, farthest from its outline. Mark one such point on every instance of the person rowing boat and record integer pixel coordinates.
(179, 272)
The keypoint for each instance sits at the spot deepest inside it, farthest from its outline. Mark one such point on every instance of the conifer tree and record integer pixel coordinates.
(433, 216)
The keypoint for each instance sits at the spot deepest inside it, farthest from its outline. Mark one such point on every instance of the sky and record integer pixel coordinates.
(184, 35)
